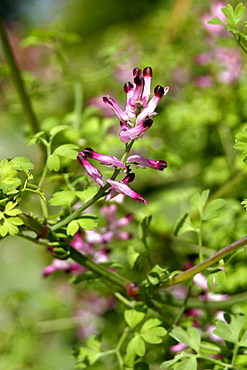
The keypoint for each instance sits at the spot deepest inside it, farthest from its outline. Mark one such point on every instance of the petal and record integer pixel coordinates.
(92, 171)
(144, 162)
(107, 160)
(125, 189)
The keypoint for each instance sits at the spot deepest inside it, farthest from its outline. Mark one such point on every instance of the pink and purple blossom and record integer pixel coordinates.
(122, 188)
(92, 171)
(106, 160)
(144, 162)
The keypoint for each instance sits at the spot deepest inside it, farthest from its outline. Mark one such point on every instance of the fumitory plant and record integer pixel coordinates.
(163, 308)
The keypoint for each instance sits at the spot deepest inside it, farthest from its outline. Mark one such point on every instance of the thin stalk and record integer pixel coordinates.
(235, 352)
(100, 270)
(200, 242)
(18, 81)
(177, 279)
(119, 345)
(172, 301)
(184, 306)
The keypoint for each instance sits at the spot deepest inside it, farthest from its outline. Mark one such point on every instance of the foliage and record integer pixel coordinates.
(154, 247)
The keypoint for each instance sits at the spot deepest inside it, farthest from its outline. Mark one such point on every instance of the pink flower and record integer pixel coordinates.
(144, 162)
(149, 110)
(116, 109)
(122, 188)
(107, 160)
(137, 105)
(129, 134)
(91, 170)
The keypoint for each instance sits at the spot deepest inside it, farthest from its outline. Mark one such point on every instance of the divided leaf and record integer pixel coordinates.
(152, 332)
(133, 317)
(230, 331)
(191, 337)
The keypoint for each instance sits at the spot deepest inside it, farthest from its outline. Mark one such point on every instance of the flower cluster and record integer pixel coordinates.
(134, 121)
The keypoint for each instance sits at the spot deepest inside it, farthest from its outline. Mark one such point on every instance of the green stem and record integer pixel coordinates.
(100, 270)
(77, 212)
(177, 279)
(172, 301)
(184, 306)
(235, 352)
(18, 81)
(200, 242)
(119, 345)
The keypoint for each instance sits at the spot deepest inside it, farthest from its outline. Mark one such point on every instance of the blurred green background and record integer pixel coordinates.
(72, 52)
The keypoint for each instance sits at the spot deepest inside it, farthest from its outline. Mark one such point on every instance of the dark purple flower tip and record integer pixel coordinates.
(138, 80)
(137, 72)
(88, 152)
(159, 91)
(129, 178)
(148, 72)
(148, 122)
(107, 100)
(128, 87)
(161, 165)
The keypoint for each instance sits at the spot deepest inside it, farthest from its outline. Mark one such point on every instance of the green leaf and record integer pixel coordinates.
(132, 255)
(86, 194)
(62, 198)
(38, 139)
(184, 225)
(8, 176)
(199, 201)
(94, 343)
(136, 346)
(72, 228)
(144, 227)
(152, 332)
(133, 317)
(22, 164)
(88, 356)
(67, 151)
(9, 209)
(88, 222)
(191, 337)
(187, 364)
(179, 223)
(212, 209)
(230, 331)
(243, 341)
(9, 226)
(239, 12)
(167, 364)
(216, 279)
(53, 162)
(216, 20)
(55, 130)
(157, 275)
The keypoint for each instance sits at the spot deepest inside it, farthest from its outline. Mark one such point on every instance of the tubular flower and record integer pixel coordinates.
(129, 134)
(122, 188)
(144, 162)
(137, 106)
(107, 160)
(91, 170)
